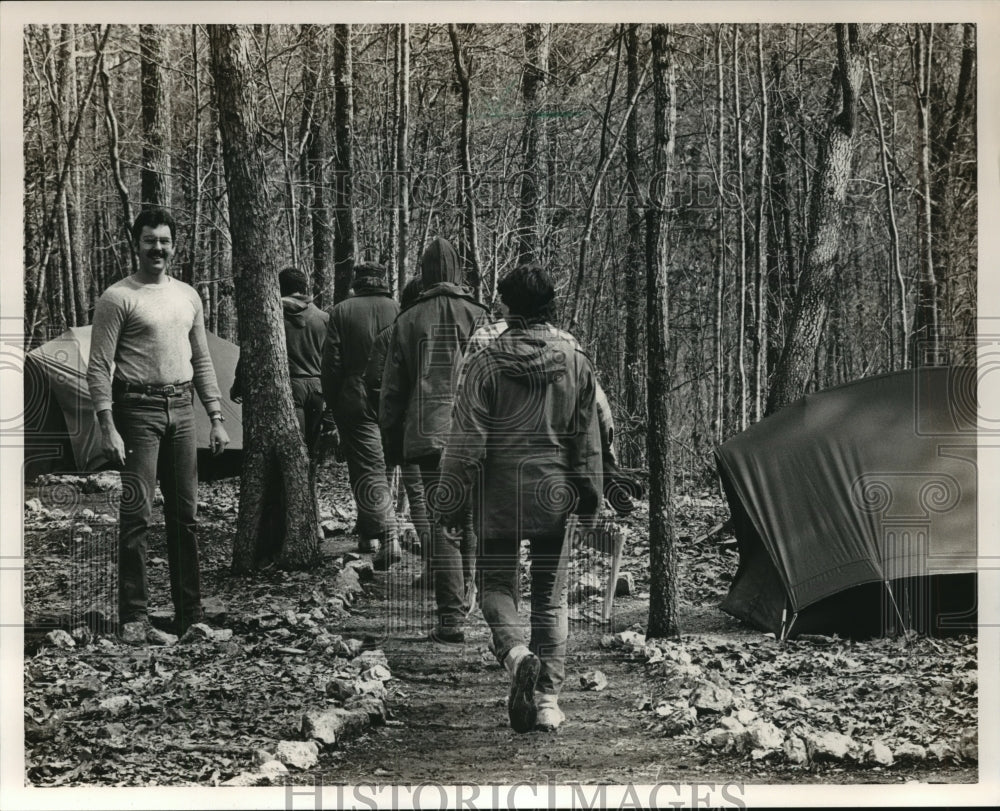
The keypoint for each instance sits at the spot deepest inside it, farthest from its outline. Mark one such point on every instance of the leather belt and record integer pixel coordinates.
(168, 390)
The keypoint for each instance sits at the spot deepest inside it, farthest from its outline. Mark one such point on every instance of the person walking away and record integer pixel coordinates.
(415, 409)
(151, 327)
(351, 332)
(525, 433)
(409, 473)
(305, 333)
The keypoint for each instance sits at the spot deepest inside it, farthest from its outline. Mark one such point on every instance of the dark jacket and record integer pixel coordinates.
(376, 365)
(424, 349)
(353, 325)
(525, 443)
(305, 333)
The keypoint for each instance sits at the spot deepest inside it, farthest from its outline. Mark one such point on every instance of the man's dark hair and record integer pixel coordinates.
(153, 217)
(529, 293)
(411, 291)
(292, 280)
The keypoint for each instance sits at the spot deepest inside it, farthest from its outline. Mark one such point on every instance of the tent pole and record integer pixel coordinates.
(892, 598)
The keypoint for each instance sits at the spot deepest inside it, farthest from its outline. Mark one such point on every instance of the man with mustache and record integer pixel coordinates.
(152, 328)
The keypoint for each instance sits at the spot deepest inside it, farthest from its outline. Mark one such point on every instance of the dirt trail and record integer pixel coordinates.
(450, 720)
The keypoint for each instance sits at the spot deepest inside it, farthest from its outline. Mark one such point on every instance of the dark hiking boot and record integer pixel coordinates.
(387, 555)
(447, 636)
(521, 701)
(369, 545)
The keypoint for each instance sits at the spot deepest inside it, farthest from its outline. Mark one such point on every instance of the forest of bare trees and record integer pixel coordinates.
(802, 197)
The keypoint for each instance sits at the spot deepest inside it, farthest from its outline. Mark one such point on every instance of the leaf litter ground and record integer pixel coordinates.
(722, 704)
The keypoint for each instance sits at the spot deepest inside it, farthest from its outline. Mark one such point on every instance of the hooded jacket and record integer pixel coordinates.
(354, 323)
(305, 333)
(418, 382)
(525, 443)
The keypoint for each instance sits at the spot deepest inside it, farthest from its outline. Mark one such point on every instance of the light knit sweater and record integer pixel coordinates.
(155, 335)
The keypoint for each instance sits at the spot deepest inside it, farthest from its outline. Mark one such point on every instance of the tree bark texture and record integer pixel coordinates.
(634, 251)
(794, 373)
(156, 147)
(403, 158)
(531, 220)
(663, 555)
(343, 164)
(470, 230)
(275, 467)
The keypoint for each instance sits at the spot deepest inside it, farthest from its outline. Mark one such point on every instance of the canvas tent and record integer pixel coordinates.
(855, 508)
(60, 428)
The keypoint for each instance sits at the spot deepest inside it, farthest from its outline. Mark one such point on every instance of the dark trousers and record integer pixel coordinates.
(452, 560)
(361, 443)
(160, 442)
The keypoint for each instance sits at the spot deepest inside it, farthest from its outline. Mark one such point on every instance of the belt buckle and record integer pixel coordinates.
(170, 390)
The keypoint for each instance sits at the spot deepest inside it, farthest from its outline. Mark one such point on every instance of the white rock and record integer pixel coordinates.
(115, 704)
(274, 770)
(376, 673)
(764, 735)
(828, 745)
(732, 724)
(262, 756)
(745, 716)
(795, 750)
(719, 738)
(246, 780)
(301, 755)
(939, 750)
(796, 700)
(968, 745)
(910, 751)
(881, 754)
(593, 680)
(630, 639)
(709, 697)
(328, 725)
(33, 505)
(60, 639)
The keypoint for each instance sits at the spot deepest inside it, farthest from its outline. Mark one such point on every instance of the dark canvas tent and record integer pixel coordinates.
(855, 508)
(60, 428)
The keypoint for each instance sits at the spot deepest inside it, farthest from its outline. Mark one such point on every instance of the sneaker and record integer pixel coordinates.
(387, 555)
(549, 715)
(447, 636)
(521, 701)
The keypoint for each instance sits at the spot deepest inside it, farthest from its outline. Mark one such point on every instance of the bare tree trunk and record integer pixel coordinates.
(760, 279)
(402, 156)
(926, 335)
(718, 372)
(794, 372)
(191, 270)
(595, 190)
(634, 251)
(154, 57)
(48, 231)
(275, 466)
(343, 116)
(315, 156)
(111, 121)
(663, 555)
(895, 265)
(741, 330)
(536, 69)
(470, 231)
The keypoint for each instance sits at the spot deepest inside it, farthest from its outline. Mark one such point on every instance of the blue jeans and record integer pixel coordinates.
(498, 570)
(160, 441)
